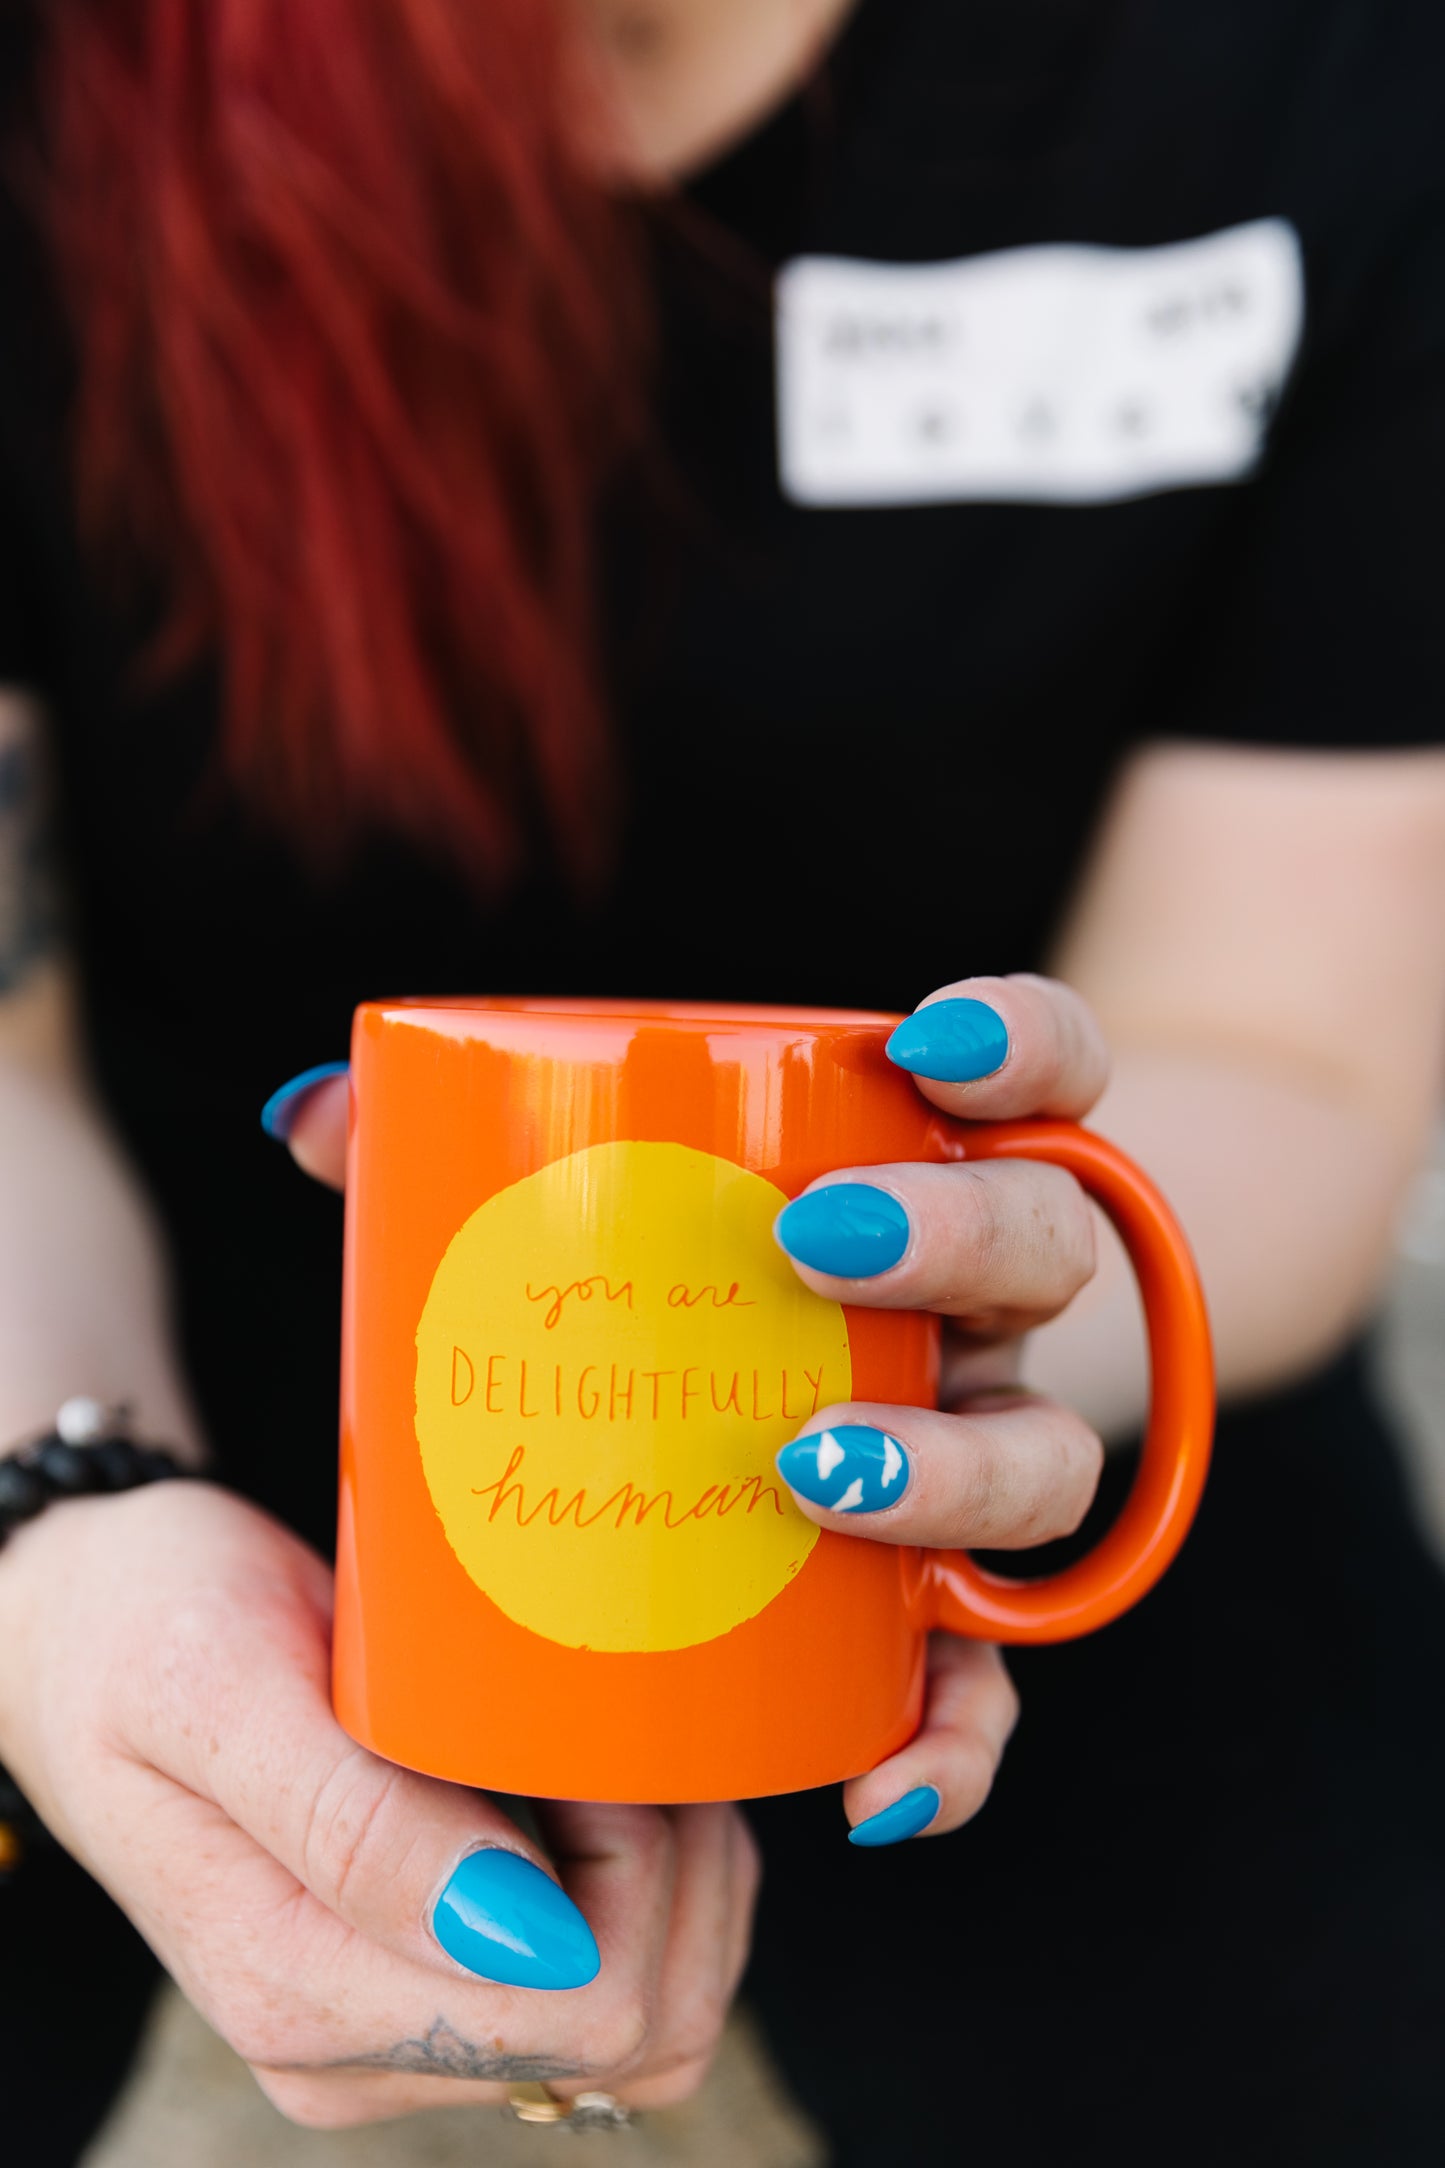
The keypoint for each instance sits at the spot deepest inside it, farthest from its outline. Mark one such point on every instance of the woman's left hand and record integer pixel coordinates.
(996, 1249)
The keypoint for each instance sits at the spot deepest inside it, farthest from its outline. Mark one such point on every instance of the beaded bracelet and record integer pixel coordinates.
(89, 1451)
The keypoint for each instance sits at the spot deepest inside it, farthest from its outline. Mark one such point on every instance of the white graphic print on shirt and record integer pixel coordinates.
(1063, 373)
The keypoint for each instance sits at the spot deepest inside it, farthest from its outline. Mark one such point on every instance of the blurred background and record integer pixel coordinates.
(193, 2104)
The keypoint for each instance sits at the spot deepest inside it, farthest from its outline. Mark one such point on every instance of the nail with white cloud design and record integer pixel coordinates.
(851, 1468)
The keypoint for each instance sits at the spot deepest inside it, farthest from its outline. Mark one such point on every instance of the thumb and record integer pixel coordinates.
(309, 1113)
(241, 1716)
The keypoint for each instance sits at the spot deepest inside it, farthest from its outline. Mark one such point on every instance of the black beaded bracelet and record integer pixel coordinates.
(89, 1451)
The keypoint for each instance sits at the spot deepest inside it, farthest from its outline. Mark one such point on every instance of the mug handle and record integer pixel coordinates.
(958, 1595)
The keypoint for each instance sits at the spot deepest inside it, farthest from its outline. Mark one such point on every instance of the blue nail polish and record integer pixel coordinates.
(506, 1920)
(952, 1042)
(849, 1229)
(914, 1811)
(278, 1116)
(852, 1469)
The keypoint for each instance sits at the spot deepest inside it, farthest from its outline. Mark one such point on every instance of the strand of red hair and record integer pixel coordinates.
(358, 340)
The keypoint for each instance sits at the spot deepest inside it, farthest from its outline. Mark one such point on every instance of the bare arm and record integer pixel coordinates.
(1262, 936)
(82, 1284)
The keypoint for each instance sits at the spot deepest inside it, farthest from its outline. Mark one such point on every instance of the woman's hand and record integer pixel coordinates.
(355, 1931)
(996, 1249)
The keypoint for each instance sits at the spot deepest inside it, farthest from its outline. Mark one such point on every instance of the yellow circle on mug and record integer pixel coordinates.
(611, 1353)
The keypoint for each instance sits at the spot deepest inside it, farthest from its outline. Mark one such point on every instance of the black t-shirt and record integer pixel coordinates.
(868, 718)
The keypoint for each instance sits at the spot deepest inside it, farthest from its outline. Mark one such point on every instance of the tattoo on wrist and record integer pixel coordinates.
(441, 2052)
(29, 891)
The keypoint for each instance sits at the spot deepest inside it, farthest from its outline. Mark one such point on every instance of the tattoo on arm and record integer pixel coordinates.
(29, 893)
(441, 2052)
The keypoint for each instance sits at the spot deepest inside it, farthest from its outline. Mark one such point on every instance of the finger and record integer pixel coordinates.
(692, 1983)
(334, 2100)
(670, 1896)
(432, 1872)
(999, 1049)
(620, 1866)
(681, 2077)
(339, 2033)
(283, 1976)
(309, 1113)
(707, 1934)
(303, 1997)
(1012, 1470)
(1001, 1246)
(944, 1774)
(747, 1881)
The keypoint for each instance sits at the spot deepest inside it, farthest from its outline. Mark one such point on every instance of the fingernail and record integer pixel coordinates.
(953, 1042)
(506, 1920)
(853, 1469)
(849, 1229)
(914, 1811)
(278, 1116)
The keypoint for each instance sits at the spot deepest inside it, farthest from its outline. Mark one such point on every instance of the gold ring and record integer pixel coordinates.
(534, 2103)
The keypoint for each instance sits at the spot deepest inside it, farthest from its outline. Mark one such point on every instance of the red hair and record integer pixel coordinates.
(357, 341)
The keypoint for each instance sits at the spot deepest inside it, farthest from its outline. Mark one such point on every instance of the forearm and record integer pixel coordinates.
(83, 1304)
(1288, 1188)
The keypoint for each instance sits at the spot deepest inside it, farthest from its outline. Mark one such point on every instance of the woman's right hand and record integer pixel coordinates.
(164, 1705)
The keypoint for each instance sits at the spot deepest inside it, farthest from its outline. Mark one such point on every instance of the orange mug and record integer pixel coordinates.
(567, 1566)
